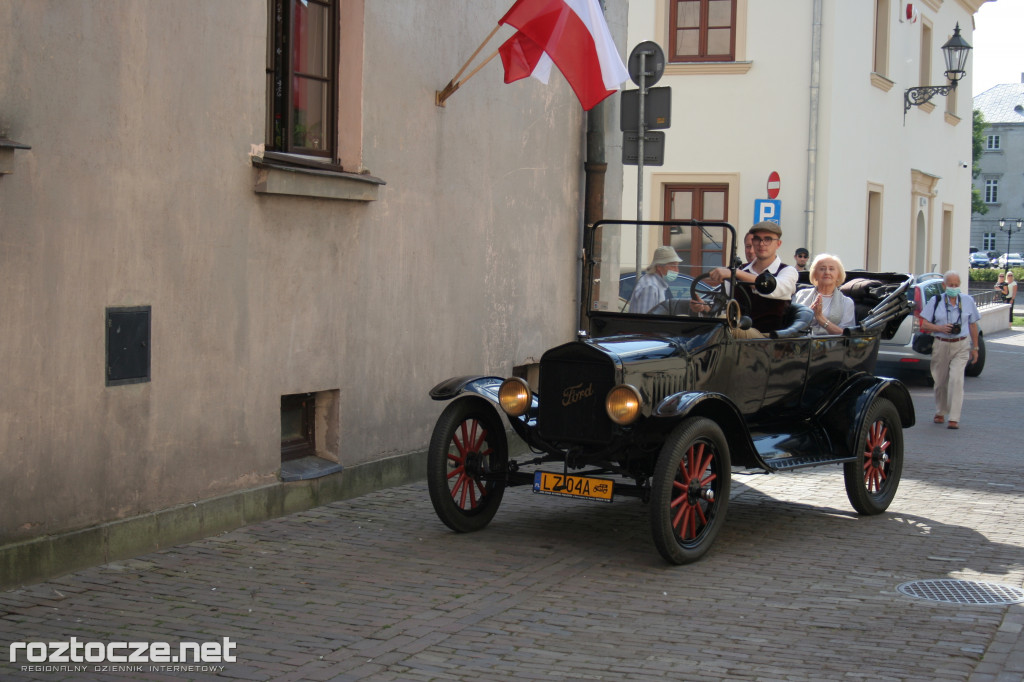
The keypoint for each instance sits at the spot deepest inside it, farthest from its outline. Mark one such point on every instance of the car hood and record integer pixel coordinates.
(628, 348)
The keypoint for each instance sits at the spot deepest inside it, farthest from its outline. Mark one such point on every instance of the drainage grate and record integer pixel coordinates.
(962, 592)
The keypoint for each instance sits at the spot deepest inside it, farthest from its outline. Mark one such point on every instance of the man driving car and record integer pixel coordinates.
(766, 309)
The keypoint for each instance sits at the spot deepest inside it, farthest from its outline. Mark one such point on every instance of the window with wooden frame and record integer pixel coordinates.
(880, 51)
(925, 60)
(702, 30)
(696, 202)
(302, 78)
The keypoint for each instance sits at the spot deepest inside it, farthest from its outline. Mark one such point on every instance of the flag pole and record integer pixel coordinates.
(441, 95)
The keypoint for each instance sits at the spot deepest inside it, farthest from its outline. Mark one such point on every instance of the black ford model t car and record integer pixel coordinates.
(666, 404)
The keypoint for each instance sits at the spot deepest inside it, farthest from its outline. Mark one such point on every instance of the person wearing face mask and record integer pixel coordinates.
(652, 288)
(833, 311)
(952, 319)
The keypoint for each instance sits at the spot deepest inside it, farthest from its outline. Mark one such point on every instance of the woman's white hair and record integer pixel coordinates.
(827, 256)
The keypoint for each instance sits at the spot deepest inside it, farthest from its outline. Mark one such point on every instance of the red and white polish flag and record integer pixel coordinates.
(571, 33)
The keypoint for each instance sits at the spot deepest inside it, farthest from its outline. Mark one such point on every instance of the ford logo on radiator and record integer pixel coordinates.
(574, 394)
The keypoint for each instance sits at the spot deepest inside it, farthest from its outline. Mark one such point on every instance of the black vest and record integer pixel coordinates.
(766, 313)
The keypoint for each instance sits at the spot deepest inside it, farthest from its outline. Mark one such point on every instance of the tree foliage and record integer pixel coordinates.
(977, 145)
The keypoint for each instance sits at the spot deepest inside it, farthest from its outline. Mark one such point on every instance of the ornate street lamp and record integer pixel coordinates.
(1010, 230)
(955, 52)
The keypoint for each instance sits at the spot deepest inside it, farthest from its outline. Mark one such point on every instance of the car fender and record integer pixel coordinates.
(843, 417)
(487, 388)
(718, 408)
(484, 386)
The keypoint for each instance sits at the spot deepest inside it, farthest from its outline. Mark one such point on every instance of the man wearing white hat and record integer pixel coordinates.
(652, 288)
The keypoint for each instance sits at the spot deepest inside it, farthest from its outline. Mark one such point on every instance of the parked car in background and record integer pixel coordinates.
(1011, 260)
(897, 352)
(679, 288)
(979, 260)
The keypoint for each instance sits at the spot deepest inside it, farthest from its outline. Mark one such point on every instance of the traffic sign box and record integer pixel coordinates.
(766, 210)
(654, 148)
(657, 109)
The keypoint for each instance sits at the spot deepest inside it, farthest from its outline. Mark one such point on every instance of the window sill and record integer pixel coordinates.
(881, 82)
(952, 119)
(707, 68)
(278, 177)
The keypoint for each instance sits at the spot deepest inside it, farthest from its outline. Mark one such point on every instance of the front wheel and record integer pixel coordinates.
(467, 464)
(872, 479)
(690, 491)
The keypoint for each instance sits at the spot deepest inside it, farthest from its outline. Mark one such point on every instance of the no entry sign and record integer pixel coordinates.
(774, 185)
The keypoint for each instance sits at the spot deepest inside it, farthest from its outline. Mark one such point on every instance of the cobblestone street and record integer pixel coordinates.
(797, 586)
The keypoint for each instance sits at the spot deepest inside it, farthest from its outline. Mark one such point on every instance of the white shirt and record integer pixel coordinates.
(785, 279)
(940, 311)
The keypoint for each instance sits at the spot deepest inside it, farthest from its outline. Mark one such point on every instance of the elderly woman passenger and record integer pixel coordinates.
(833, 312)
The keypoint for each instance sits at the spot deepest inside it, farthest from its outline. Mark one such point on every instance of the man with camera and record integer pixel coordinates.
(952, 319)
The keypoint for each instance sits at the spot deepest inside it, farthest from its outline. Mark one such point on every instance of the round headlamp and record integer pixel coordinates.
(623, 404)
(514, 396)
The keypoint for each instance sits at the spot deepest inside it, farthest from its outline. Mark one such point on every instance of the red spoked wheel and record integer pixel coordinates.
(690, 491)
(872, 479)
(467, 464)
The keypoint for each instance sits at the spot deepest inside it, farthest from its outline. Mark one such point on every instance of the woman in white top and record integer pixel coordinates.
(833, 312)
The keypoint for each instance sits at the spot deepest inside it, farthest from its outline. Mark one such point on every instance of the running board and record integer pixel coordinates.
(806, 447)
(802, 462)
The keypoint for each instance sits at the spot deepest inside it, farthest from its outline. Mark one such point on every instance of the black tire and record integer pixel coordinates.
(467, 464)
(690, 491)
(975, 369)
(872, 480)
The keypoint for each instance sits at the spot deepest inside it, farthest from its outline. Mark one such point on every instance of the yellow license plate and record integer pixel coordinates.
(599, 489)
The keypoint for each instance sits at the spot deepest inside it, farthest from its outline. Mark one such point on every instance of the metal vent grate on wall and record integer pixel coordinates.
(128, 340)
(962, 592)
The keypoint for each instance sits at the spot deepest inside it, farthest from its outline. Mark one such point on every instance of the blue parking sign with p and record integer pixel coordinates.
(767, 210)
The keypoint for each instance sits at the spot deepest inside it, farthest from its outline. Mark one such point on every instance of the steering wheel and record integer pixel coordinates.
(717, 299)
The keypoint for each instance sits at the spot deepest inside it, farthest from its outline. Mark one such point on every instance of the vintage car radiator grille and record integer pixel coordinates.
(572, 394)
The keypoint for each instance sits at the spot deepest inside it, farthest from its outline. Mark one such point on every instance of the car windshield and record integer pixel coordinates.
(658, 268)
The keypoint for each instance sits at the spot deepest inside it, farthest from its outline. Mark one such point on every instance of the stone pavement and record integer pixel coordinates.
(797, 586)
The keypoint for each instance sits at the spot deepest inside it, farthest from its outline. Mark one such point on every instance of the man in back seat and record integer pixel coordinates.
(767, 309)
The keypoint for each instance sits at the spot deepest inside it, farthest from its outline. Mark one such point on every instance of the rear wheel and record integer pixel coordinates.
(872, 479)
(467, 464)
(690, 491)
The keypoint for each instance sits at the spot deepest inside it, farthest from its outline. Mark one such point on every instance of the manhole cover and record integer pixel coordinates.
(962, 592)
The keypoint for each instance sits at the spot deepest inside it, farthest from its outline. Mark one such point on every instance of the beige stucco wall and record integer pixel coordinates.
(138, 190)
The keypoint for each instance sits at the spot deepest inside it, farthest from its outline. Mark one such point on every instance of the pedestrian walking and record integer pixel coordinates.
(952, 319)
